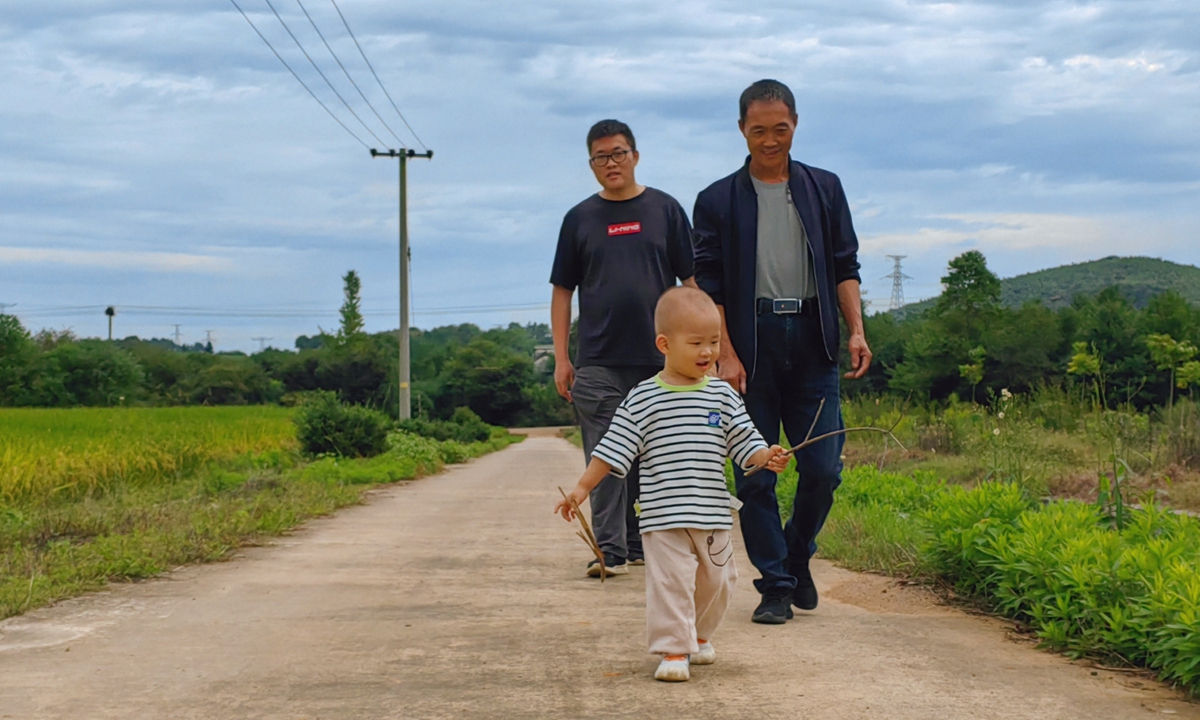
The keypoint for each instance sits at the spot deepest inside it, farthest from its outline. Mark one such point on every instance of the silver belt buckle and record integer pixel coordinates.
(785, 306)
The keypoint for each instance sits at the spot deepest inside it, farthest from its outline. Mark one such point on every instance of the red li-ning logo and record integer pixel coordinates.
(624, 229)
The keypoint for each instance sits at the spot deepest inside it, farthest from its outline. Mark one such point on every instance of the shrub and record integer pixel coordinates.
(464, 426)
(325, 425)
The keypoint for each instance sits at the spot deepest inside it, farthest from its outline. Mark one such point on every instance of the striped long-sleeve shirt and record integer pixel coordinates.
(682, 435)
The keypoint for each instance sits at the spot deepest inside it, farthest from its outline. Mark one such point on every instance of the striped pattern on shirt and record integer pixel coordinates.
(682, 435)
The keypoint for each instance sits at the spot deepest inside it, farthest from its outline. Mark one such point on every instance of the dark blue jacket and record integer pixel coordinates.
(725, 235)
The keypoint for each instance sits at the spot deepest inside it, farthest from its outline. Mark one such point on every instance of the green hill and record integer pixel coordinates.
(1140, 278)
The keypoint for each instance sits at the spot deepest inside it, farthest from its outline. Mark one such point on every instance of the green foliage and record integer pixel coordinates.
(1130, 595)
(82, 372)
(969, 343)
(464, 426)
(325, 425)
(489, 371)
(488, 379)
(352, 322)
(54, 546)
(16, 348)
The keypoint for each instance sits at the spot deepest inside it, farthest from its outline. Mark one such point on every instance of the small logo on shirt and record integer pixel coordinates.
(714, 418)
(631, 228)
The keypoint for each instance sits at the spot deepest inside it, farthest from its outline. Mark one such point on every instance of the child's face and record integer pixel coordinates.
(693, 344)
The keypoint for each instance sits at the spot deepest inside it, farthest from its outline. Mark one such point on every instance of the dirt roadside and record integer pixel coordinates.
(460, 596)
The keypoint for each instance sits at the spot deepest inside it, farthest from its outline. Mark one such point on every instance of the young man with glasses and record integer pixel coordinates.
(776, 250)
(622, 248)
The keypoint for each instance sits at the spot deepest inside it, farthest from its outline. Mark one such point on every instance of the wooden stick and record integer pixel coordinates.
(819, 438)
(809, 440)
(586, 534)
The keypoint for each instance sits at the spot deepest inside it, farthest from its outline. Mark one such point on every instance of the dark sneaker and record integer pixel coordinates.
(637, 559)
(805, 594)
(613, 565)
(775, 609)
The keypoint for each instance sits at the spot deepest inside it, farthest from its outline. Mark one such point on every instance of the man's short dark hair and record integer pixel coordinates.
(608, 128)
(766, 91)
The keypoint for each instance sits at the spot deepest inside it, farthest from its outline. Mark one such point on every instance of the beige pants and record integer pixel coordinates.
(690, 577)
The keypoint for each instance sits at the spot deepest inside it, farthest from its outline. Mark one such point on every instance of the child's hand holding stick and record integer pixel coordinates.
(569, 508)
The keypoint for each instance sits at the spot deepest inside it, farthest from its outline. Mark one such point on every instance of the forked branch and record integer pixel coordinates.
(809, 440)
(586, 534)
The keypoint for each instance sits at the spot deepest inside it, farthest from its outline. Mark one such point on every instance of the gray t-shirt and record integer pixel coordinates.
(782, 267)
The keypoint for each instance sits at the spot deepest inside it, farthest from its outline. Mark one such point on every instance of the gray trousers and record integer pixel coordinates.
(597, 393)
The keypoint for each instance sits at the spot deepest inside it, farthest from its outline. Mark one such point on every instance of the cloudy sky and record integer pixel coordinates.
(156, 156)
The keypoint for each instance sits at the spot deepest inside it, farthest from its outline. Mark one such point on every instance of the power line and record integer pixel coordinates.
(268, 312)
(293, 72)
(372, 67)
(322, 74)
(347, 72)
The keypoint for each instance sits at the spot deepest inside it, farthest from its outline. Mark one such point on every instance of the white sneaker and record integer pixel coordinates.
(706, 656)
(672, 670)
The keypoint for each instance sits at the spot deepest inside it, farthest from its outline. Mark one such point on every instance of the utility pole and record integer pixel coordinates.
(898, 277)
(177, 335)
(110, 311)
(405, 393)
(262, 342)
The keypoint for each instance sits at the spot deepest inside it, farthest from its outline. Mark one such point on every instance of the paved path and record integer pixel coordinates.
(460, 596)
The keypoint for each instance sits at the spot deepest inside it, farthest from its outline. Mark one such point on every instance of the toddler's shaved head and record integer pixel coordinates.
(684, 307)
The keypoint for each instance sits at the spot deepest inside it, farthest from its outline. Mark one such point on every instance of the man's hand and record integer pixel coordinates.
(564, 507)
(860, 356)
(730, 368)
(564, 378)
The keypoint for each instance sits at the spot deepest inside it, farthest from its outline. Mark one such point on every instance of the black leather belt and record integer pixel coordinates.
(784, 306)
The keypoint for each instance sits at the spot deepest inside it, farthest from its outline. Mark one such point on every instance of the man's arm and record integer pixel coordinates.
(850, 301)
(560, 330)
(710, 277)
(729, 366)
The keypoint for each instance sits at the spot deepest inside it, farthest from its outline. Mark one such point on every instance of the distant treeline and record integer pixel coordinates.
(969, 344)
(492, 372)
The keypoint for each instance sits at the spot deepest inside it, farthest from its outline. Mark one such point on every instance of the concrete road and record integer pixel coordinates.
(460, 596)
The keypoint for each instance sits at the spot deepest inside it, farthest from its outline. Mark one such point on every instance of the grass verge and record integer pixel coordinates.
(54, 550)
(1127, 594)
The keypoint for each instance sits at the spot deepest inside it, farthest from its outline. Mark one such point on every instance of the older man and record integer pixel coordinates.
(776, 250)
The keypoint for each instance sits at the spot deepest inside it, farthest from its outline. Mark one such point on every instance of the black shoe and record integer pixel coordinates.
(613, 565)
(805, 594)
(637, 559)
(775, 609)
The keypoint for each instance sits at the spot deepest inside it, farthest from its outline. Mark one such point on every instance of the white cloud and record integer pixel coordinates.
(1007, 232)
(117, 260)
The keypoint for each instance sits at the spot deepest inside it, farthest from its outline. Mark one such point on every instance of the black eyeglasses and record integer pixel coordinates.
(618, 157)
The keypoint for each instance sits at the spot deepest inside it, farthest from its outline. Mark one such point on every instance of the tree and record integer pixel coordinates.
(1188, 375)
(16, 350)
(1168, 354)
(1086, 363)
(351, 311)
(84, 372)
(971, 291)
(489, 379)
(972, 372)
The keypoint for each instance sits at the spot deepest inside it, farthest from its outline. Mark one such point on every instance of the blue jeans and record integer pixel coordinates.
(790, 378)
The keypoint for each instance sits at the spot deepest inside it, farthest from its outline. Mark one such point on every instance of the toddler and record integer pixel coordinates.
(682, 424)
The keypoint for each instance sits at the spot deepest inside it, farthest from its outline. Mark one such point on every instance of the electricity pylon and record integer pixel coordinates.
(898, 277)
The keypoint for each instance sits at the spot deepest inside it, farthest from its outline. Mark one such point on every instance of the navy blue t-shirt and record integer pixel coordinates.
(622, 255)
